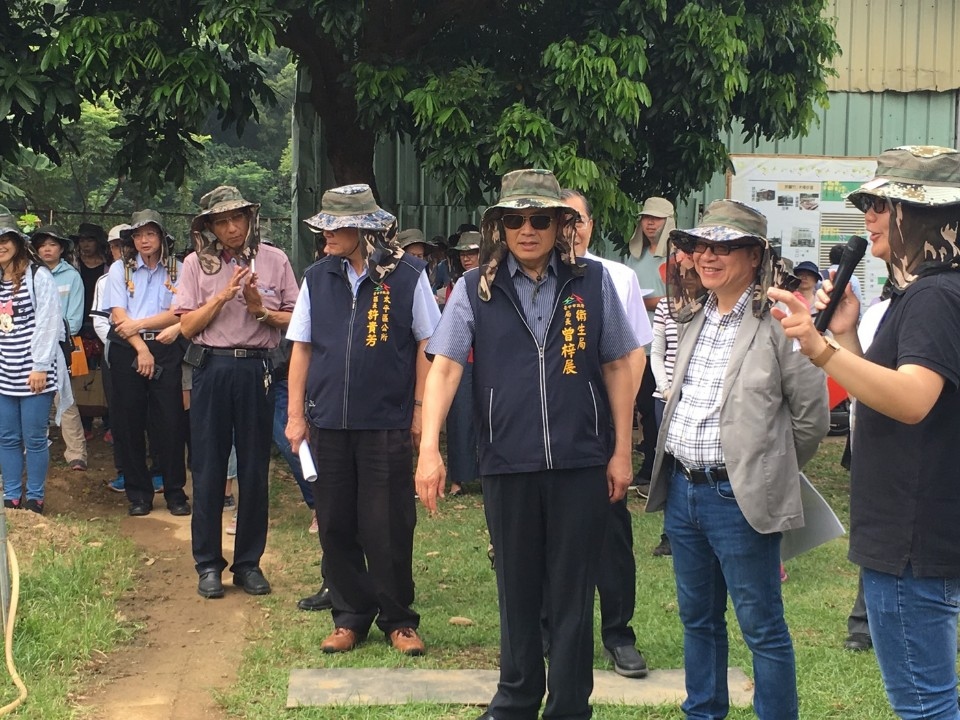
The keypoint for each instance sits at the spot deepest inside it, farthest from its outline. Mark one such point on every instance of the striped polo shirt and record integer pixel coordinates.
(16, 359)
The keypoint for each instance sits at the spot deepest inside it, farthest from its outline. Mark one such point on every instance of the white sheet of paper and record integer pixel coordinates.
(306, 463)
(822, 524)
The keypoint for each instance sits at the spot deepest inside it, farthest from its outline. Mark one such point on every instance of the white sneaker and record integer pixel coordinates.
(232, 527)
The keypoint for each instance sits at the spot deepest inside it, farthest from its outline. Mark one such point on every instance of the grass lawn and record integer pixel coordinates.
(453, 578)
(75, 572)
(72, 574)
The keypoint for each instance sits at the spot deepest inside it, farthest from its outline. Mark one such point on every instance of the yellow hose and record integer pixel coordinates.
(8, 635)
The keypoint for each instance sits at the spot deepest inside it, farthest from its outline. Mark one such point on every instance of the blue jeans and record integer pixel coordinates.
(281, 393)
(913, 623)
(23, 425)
(716, 551)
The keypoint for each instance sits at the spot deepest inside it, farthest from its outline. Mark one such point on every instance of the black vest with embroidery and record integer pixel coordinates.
(363, 353)
(540, 409)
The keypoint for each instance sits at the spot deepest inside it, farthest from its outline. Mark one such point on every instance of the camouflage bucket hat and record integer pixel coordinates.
(9, 224)
(925, 175)
(532, 188)
(350, 206)
(724, 221)
(468, 240)
(223, 199)
(727, 221)
(138, 220)
(524, 189)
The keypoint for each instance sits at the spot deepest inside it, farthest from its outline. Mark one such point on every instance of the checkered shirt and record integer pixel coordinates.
(693, 436)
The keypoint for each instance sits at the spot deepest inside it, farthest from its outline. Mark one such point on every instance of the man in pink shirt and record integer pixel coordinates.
(234, 300)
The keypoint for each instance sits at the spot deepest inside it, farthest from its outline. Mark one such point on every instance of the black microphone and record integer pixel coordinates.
(852, 254)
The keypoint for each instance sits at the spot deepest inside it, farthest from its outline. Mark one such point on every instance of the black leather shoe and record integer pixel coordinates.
(252, 581)
(320, 601)
(139, 509)
(179, 508)
(627, 661)
(210, 585)
(858, 642)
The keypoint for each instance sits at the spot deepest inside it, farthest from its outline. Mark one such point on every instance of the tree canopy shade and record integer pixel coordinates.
(621, 98)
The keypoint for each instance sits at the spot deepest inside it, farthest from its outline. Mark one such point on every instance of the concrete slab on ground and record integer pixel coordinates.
(397, 686)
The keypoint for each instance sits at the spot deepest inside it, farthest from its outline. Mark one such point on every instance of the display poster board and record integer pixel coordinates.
(803, 200)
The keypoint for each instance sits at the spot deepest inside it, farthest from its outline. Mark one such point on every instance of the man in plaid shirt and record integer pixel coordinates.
(745, 413)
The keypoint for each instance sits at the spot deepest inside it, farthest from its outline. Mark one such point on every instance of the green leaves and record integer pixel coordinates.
(622, 98)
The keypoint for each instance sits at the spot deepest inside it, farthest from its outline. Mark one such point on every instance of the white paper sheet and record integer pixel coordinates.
(822, 524)
(306, 462)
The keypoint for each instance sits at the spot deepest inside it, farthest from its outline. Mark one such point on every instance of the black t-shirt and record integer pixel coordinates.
(905, 479)
(89, 276)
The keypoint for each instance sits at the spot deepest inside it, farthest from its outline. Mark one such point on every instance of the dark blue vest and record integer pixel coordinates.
(363, 363)
(540, 409)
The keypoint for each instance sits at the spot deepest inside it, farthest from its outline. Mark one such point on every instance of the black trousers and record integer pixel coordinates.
(648, 420)
(229, 405)
(139, 402)
(547, 528)
(366, 512)
(154, 464)
(617, 581)
(857, 621)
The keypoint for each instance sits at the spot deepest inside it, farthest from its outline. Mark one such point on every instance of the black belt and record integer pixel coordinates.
(257, 353)
(703, 476)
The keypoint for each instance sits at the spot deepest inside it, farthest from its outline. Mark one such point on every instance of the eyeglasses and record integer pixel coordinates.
(537, 222)
(719, 249)
(233, 219)
(871, 202)
(144, 234)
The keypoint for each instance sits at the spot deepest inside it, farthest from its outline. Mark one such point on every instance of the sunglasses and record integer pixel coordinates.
(537, 222)
(867, 202)
(719, 249)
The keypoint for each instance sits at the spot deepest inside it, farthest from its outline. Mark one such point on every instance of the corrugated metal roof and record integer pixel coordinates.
(902, 45)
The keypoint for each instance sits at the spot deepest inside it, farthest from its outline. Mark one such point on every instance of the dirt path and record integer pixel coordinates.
(187, 648)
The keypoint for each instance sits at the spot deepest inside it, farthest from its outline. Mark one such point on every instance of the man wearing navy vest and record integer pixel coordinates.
(552, 390)
(362, 321)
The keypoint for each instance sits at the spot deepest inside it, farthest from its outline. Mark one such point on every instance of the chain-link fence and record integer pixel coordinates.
(275, 230)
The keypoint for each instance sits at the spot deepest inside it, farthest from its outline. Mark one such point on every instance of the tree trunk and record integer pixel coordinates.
(350, 149)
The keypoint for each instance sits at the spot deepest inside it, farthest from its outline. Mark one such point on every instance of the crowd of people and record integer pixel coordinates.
(535, 355)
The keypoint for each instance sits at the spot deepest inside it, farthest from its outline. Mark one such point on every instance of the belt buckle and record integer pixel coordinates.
(240, 352)
(148, 336)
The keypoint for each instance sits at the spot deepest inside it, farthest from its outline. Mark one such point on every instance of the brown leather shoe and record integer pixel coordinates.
(340, 640)
(407, 641)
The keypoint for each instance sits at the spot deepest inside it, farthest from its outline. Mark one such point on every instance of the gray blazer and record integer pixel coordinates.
(773, 414)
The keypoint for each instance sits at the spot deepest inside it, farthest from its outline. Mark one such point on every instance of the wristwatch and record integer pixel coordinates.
(264, 317)
(829, 350)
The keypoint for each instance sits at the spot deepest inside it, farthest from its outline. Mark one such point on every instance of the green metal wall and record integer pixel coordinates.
(855, 125)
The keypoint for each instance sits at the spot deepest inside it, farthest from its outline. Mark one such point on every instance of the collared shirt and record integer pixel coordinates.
(426, 314)
(647, 269)
(693, 435)
(628, 290)
(234, 326)
(454, 335)
(150, 292)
